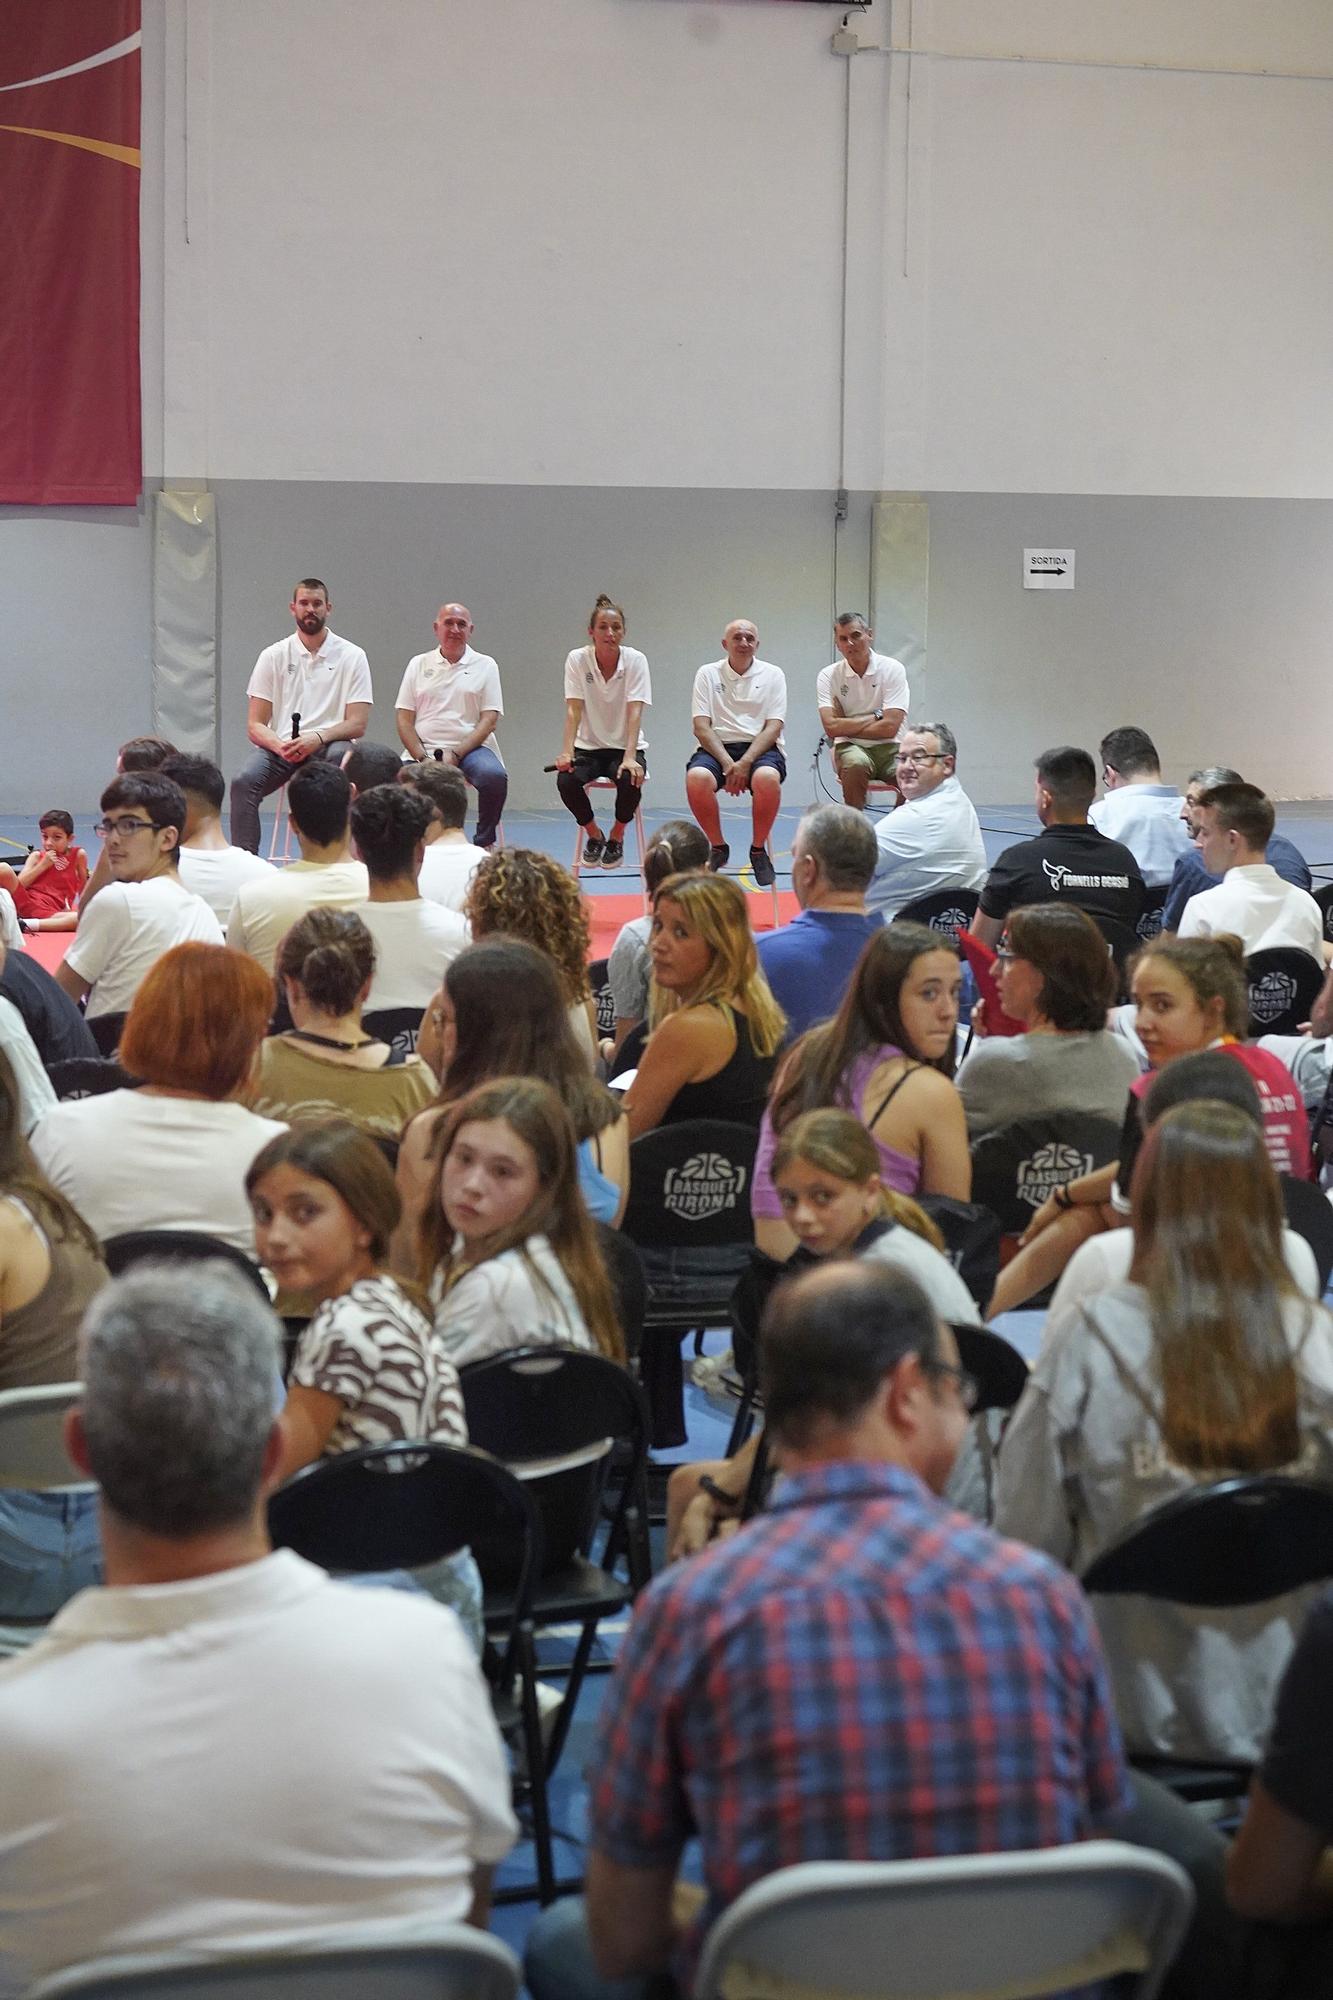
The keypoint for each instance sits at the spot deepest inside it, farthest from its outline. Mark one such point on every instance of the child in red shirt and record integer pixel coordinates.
(47, 888)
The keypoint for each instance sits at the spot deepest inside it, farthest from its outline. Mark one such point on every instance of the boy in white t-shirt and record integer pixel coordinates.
(209, 865)
(144, 910)
(414, 939)
(451, 859)
(740, 703)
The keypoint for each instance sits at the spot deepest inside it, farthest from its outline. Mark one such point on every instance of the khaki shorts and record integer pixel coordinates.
(880, 759)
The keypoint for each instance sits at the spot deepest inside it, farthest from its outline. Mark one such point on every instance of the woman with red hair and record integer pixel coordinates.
(173, 1153)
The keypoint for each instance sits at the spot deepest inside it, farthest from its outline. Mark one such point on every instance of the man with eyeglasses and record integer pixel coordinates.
(932, 841)
(860, 1674)
(1191, 878)
(144, 909)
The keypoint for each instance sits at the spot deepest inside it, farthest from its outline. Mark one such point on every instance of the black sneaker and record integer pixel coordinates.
(718, 857)
(594, 847)
(613, 854)
(762, 866)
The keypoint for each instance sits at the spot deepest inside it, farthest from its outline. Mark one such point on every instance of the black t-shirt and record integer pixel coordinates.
(1298, 1769)
(1067, 864)
(58, 1029)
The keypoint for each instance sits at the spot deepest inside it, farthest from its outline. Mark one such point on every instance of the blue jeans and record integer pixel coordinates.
(490, 780)
(50, 1548)
(263, 772)
(558, 1962)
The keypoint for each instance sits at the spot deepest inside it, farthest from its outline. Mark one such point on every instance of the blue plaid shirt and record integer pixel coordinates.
(861, 1674)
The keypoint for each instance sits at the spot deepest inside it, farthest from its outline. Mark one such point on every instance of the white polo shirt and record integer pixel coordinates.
(413, 944)
(447, 700)
(125, 930)
(315, 686)
(927, 844)
(882, 685)
(738, 705)
(354, 1773)
(602, 724)
(1263, 911)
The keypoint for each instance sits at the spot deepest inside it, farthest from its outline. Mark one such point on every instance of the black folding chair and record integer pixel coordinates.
(1149, 922)
(1017, 1167)
(947, 911)
(629, 1285)
(999, 1370)
(1310, 1213)
(398, 1026)
(1323, 895)
(1124, 942)
(601, 994)
(1238, 1542)
(87, 1076)
(106, 1031)
(1284, 985)
(402, 1506)
(187, 1246)
(971, 1235)
(689, 1215)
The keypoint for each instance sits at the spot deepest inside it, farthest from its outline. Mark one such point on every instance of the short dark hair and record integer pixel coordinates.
(1242, 809)
(842, 841)
(310, 583)
(1070, 776)
(387, 823)
(163, 801)
(199, 775)
(58, 817)
(1078, 979)
(144, 753)
(319, 798)
(443, 787)
(368, 764)
(1129, 750)
(1210, 1074)
(330, 954)
(828, 1339)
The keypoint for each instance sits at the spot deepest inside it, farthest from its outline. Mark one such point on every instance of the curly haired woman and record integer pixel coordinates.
(520, 893)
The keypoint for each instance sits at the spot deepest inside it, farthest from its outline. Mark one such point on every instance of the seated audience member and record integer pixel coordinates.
(1190, 877)
(862, 701)
(450, 860)
(47, 888)
(326, 1065)
(369, 1367)
(607, 687)
(172, 1154)
(678, 848)
(810, 960)
(739, 705)
(31, 1082)
(369, 764)
(505, 1244)
(931, 841)
(448, 705)
(1188, 995)
(826, 1170)
(210, 866)
(892, 1755)
(144, 909)
(887, 1057)
(471, 1042)
(208, 1650)
(1069, 861)
(11, 930)
(58, 1029)
(414, 939)
(1138, 808)
(327, 876)
(521, 893)
(1057, 979)
(50, 1269)
(1233, 825)
(1206, 1363)
(715, 1027)
(139, 754)
(1104, 1260)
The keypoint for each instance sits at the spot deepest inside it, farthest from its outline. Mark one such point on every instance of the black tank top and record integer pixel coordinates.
(739, 1090)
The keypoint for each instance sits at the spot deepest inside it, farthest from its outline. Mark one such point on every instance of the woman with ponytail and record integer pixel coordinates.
(607, 688)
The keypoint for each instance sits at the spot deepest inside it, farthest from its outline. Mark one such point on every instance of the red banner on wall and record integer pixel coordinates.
(69, 252)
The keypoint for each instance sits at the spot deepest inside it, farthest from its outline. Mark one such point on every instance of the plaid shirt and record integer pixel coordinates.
(861, 1674)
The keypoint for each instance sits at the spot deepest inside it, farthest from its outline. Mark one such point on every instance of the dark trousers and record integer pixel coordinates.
(263, 772)
(590, 764)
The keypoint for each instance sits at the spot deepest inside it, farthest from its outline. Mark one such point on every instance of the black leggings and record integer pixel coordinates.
(589, 764)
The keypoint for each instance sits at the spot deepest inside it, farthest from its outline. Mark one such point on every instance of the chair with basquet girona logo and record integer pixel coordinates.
(689, 1217)
(1015, 1169)
(1283, 986)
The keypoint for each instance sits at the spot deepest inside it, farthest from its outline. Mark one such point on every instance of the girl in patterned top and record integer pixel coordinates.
(369, 1367)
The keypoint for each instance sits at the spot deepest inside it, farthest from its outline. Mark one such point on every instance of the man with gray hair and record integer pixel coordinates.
(809, 962)
(222, 1749)
(1191, 878)
(933, 840)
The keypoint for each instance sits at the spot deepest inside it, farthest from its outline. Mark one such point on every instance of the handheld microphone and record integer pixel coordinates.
(296, 725)
(550, 767)
(438, 756)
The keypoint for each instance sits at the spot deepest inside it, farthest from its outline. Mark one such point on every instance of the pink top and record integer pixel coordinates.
(900, 1171)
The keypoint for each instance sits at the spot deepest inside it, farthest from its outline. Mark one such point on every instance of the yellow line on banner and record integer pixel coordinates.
(127, 155)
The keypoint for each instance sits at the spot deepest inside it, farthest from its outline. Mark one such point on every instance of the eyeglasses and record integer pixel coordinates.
(920, 757)
(968, 1387)
(1006, 955)
(106, 827)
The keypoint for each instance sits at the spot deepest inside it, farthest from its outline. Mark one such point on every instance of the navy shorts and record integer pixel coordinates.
(773, 760)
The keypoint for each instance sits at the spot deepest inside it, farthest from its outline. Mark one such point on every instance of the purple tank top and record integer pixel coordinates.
(900, 1171)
